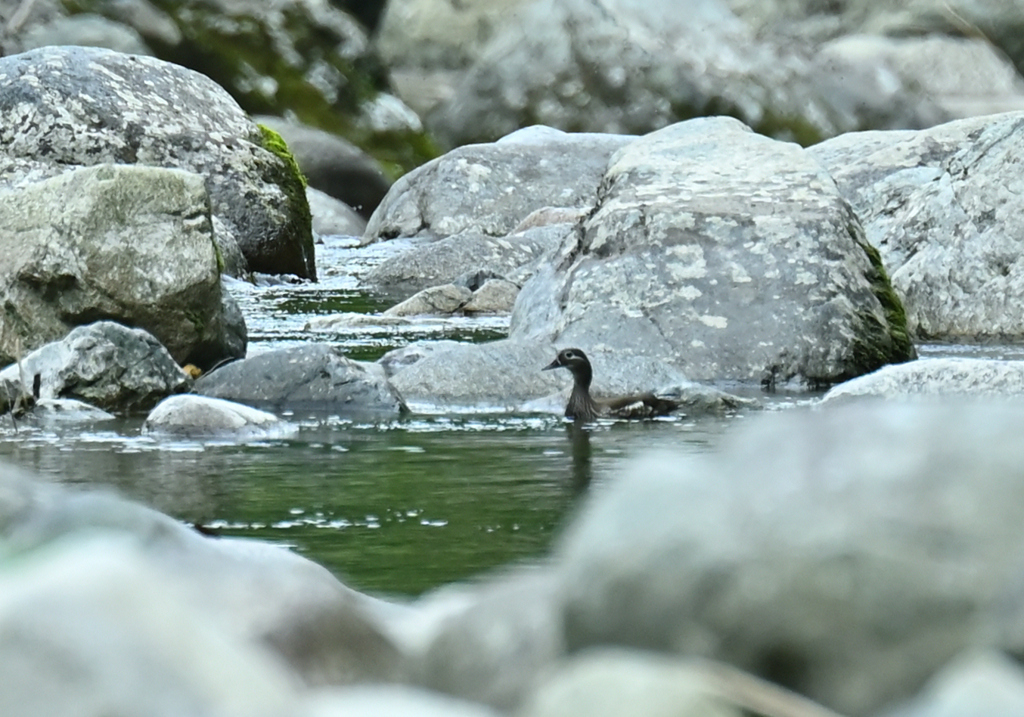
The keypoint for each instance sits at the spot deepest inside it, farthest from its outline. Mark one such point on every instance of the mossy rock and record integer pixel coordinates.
(314, 62)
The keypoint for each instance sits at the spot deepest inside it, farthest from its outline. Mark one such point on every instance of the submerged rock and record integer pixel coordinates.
(315, 378)
(201, 416)
(106, 365)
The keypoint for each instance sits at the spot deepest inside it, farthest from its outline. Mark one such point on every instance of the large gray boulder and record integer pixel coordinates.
(490, 188)
(945, 208)
(316, 378)
(726, 254)
(846, 553)
(66, 107)
(130, 243)
(106, 365)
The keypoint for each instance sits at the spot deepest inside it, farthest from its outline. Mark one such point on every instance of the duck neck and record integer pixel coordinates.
(581, 405)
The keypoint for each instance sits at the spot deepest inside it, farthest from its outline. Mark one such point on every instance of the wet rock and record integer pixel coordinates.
(333, 165)
(355, 320)
(49, 411)
(332, 217)
(923, 378)
(315, 378)
(106, 365)
(490, 188)
(66, 107)
(260, 597)
(201, 416)
(871, 542)
(495, 296)
(945, 208)
(97, 260)
(435, 301)
(748, 266)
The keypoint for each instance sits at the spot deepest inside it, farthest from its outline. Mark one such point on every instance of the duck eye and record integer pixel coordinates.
(570, 354)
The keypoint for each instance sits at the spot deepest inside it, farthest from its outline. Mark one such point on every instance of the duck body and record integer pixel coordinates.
(583, 407)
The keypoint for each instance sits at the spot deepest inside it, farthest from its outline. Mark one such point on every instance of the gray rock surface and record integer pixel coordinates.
(495, 296)
(963, 76)
(427, 264)
(746, 266)
(94, 629)
(441, 300)
(88, 30)
(498, 375)
(945, 208)
(201, 416)
(104, 364)
(490, 188)
(963, 377)
(635, 66)
(62, 107)
(377, 700)
(270, 601)
(132, 244)
(845, 553)
(317, 378)
(494, 650)
(611, 683)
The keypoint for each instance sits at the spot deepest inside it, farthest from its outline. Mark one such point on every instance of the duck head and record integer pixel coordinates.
(574, 360)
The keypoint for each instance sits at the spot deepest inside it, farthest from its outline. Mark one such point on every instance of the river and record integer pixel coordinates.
(392, 508)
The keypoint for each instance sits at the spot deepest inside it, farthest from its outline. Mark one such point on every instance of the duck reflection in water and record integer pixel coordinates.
(583, 408)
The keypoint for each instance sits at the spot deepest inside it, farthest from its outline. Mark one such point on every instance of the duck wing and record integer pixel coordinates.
(645, 405)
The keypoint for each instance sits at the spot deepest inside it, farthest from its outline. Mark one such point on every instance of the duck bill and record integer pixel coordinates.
(553, 364)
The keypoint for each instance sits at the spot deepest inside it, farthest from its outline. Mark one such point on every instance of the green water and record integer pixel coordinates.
(394, 509)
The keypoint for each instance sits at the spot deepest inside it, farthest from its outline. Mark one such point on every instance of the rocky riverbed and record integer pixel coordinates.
(827, 526)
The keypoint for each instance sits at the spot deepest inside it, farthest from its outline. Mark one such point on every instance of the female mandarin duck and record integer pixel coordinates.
(583, 407)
